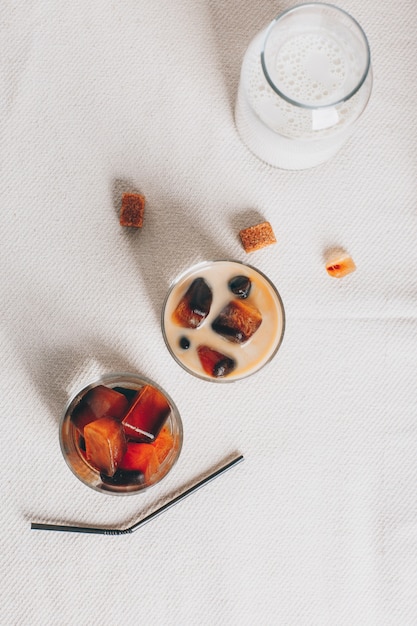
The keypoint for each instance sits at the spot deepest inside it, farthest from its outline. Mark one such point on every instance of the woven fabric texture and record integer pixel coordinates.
(318, 527)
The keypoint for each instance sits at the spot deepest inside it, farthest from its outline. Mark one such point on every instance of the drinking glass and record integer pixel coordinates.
(215, 350)
(72, 443)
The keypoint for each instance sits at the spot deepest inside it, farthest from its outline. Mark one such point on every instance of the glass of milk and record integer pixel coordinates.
(305, 81)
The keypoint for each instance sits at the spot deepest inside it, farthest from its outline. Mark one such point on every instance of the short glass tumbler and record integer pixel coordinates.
(72, 443)
(242, 330)
(305, 81)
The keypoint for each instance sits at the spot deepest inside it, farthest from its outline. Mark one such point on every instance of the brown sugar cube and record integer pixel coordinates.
(257, 237)
(133, 208)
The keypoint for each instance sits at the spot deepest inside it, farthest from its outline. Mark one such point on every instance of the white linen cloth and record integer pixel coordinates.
(319, 525)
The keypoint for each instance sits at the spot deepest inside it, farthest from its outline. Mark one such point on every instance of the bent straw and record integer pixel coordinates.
(148, 518)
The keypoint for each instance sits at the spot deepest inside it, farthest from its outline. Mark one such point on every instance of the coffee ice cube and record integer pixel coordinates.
(146, 415)
(100, 401)
(237, 321)
(123, 478)
(240, 286)
(106, 402)
(215, 363)
(194, 306)
(163, 444)
(105, 444)
(140, 457)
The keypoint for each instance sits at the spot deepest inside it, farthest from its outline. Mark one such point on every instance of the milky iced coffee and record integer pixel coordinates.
(223, 320)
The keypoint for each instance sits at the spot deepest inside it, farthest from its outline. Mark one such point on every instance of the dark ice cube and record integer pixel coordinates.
(215, 363)
(240, 286)
(237, 321)
(128, 393)
(184, 343)
(123, 478)
(146, 414)
(194, 306)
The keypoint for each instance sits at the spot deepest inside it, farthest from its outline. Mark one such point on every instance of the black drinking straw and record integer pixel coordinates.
(148, 518)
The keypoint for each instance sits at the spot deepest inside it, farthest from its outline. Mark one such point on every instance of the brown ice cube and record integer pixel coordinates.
(147, 414)
(215, 363)
(194, 306)
(100, 401)
(240, 286)
(105, 444)
(237, 321)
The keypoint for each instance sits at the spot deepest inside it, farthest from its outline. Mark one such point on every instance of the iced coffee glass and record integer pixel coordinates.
(121, 434)
(223, 320)
(305, 81)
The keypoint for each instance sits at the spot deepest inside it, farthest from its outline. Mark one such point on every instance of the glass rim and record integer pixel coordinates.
(350, 94)
(205, 377)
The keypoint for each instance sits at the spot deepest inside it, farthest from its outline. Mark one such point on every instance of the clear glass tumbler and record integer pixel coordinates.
(73, 445)
(305, 81)
(223, 320)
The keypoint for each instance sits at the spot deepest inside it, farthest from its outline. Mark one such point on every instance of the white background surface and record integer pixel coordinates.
(319, 525)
